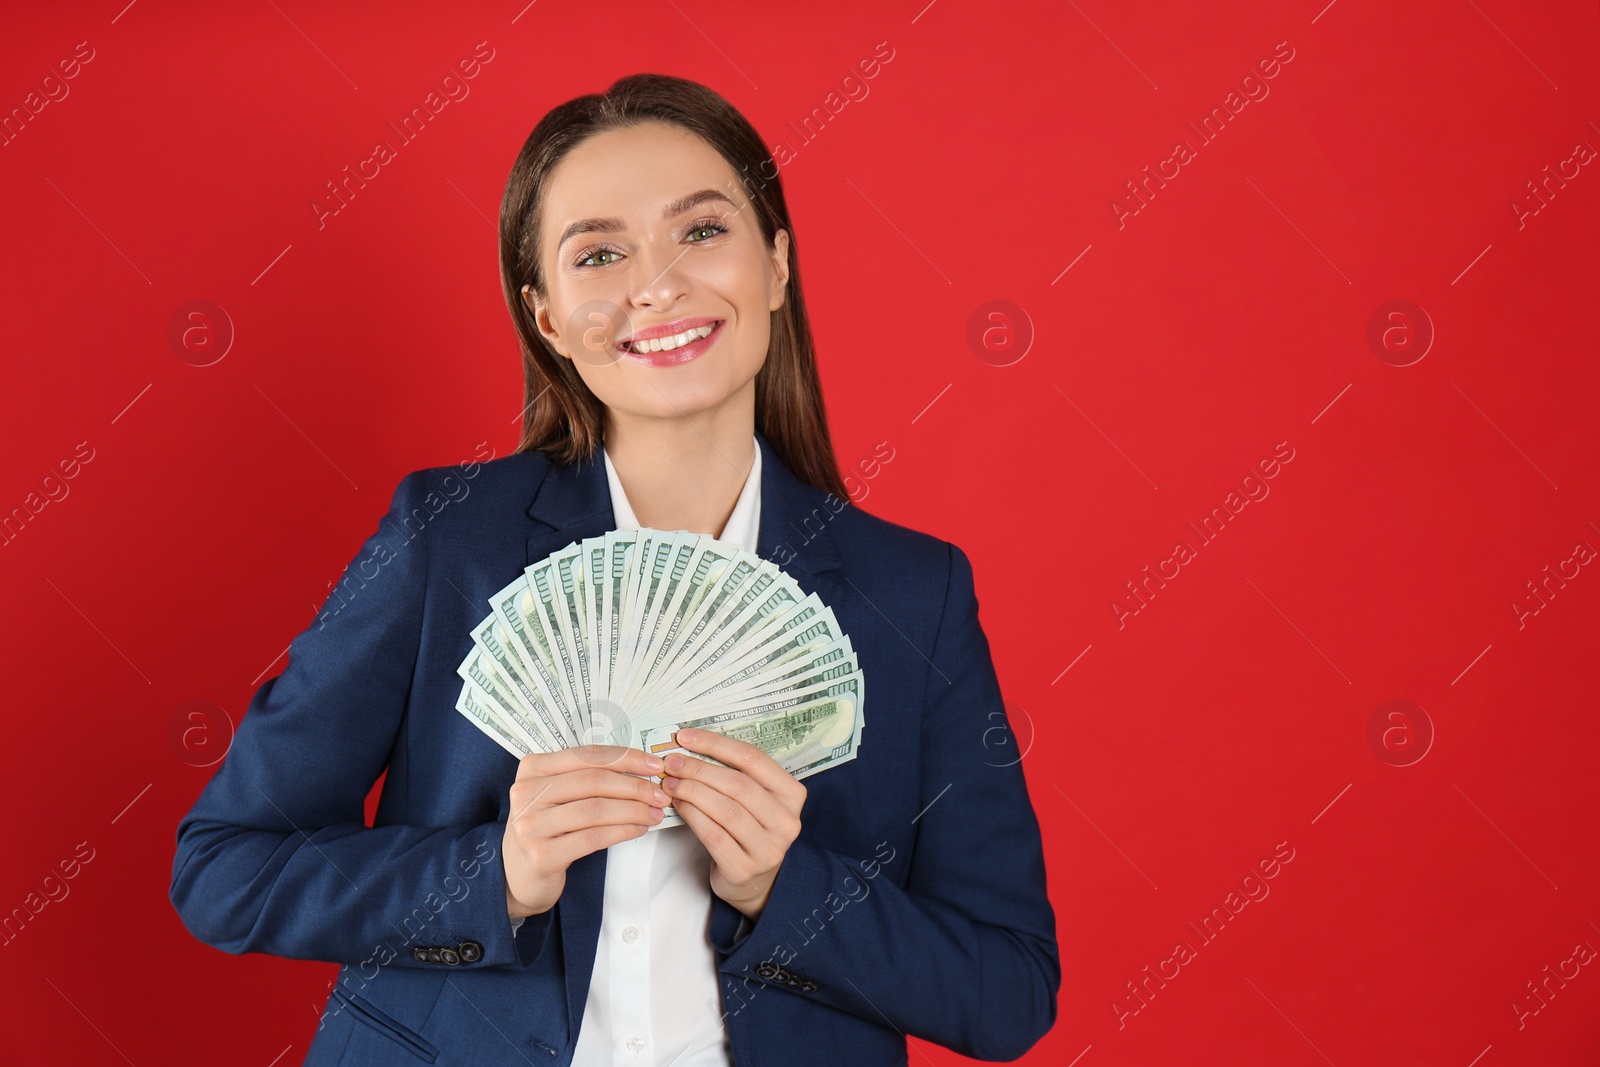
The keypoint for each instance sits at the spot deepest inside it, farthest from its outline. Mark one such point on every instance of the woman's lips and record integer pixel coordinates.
(682, 354)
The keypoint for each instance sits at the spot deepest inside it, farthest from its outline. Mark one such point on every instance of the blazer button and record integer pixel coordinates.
(768, 969)
(419, 954)
(449, 956)
(808, 986)
(471, 951)
(433, 954)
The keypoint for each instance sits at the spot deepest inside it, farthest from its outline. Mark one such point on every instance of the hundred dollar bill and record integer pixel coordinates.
(803, 736)
(672, 579)
(651, 554)
(532, 649)
(492, 638)
(572, 596)
(594, 639)
(499, 698)
(668, 562)
(546, 602)
(797, 673)
(764, 612)
(728, 590)
(474, 708)
(778, 664)
(615, 589)
(807, 629)
(704, 565)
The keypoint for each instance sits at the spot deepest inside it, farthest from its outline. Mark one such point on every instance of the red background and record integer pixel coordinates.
(1232, 713)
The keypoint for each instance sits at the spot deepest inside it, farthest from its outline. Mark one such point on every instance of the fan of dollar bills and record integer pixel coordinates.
(624, 638)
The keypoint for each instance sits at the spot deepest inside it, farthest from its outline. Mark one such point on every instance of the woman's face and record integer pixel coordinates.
(649, 228)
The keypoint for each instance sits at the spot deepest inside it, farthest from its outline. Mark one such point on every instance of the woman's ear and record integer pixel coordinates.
(780, 269)
(530, 299)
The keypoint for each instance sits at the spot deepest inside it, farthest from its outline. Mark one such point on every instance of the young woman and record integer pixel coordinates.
(510, 912)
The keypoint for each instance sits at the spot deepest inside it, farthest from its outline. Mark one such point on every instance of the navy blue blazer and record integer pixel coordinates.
(913, 901)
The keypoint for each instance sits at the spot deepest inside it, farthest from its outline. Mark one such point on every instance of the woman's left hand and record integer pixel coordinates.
(747, 814)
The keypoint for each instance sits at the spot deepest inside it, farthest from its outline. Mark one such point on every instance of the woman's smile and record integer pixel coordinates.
(672, 344)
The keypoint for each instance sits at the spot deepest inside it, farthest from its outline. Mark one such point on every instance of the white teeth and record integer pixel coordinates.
(667, 344)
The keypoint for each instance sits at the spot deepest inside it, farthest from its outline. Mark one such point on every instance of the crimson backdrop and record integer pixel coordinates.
(1369, 267)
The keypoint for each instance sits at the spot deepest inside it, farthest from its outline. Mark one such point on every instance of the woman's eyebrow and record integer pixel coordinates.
(612, 225)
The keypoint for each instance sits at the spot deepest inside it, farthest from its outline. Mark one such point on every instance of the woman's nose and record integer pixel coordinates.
(655, 275)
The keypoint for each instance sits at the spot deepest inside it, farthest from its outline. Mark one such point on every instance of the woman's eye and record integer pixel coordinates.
(584, 261)
(714, 227)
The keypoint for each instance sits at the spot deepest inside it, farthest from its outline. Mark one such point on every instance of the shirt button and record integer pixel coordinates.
(635, 1043)
(630, 935)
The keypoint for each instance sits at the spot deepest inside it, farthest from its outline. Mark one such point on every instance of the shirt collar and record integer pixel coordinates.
(743, 525)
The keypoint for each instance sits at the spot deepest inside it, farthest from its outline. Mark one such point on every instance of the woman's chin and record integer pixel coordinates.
(683, 391)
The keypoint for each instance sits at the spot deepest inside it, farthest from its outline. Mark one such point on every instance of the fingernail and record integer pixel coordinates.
(653, 762)
(662, 798)
(674, 762)
(689, 736)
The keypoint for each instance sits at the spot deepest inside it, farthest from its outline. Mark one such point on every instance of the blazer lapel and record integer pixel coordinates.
(794, 525)
(574, 502)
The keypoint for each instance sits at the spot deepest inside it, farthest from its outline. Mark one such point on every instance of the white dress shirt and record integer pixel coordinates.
(654, 998)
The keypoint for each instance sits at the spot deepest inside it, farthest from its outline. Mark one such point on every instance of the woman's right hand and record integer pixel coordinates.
(567, 804)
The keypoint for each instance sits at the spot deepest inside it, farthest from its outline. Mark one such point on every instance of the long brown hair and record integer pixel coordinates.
(561, 416)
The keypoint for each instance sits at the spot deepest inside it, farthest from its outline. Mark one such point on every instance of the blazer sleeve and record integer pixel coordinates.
(965, 954)
(276, 857)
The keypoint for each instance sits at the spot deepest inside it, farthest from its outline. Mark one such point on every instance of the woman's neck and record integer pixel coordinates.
(680, 475)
